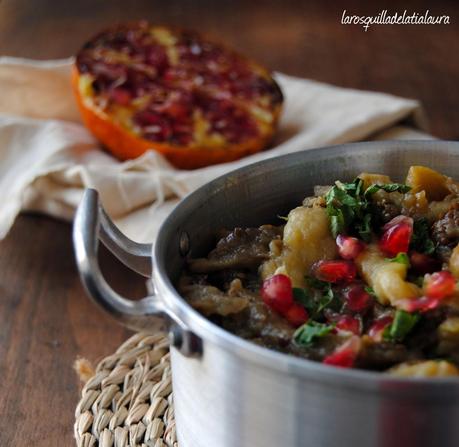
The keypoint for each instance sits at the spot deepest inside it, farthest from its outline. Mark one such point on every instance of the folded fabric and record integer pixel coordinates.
(48, 157)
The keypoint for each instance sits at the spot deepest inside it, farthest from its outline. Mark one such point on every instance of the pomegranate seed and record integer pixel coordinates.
(109, 71)
(349, 247)
(400, 219)
(357, 298)
(348, 323)
(148, 118)
(345, 355)
(170, 75)
(277, 293)
(397, 235)
(296, 315)
(422, 263)
(177, 111)
(421, 304)
(335, 271)
(121, 96)
(377, 328)
(157, 57)
(440, 285)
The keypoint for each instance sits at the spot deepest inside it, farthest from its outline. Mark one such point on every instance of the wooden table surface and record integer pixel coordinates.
(46, 320)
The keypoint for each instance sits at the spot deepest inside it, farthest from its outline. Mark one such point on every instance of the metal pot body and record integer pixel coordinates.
(223, 400)
(231, 393)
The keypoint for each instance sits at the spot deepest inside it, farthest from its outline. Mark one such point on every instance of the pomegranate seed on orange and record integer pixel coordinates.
(440, 285)
(121, 96)
(296, 315)
(349, 247)
(397, 235)
(277, 293)
(179, 111)
(334, 271)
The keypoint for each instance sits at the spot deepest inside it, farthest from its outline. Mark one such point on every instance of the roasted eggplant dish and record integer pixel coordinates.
(361, 275)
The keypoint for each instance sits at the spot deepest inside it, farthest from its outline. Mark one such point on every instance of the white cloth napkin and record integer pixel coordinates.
(47, 157)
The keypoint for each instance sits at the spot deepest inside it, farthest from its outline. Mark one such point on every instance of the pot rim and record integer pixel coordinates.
(299, 367)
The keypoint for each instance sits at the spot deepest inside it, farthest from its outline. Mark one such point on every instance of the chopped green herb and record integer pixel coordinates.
(388, 187)
(325, 300)
(370, 291)
(419, 281)
(325, 288)
(349, 207)
(303, 297)
(337, 221)
(282, 218)
(300, 295)
(306, 334)
(344, 203)
(421, 240)
(403, 324)
(316, 298)
(416, 279)
(316, 283)
(401, 258)
(364, 227)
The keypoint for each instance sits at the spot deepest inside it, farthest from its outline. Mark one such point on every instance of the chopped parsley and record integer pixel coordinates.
(303, 297)
(388, 187)
(344, 205)
(402, 325)
(419, 281)
(421, 240)
(370, 291)
(310, 331)
(349, 206)
(364, 227)
(401, 258)
(317, 297)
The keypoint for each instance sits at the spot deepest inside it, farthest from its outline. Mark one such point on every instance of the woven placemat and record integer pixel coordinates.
(128, 401)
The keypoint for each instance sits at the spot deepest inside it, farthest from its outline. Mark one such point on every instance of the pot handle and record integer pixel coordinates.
(149, 313)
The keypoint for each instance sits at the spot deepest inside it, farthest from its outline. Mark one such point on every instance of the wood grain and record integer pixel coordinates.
(45, 318)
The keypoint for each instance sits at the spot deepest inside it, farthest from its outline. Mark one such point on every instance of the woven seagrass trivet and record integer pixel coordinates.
(128, 402)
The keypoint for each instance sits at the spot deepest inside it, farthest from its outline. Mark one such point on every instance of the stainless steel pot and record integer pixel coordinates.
(231, 393)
